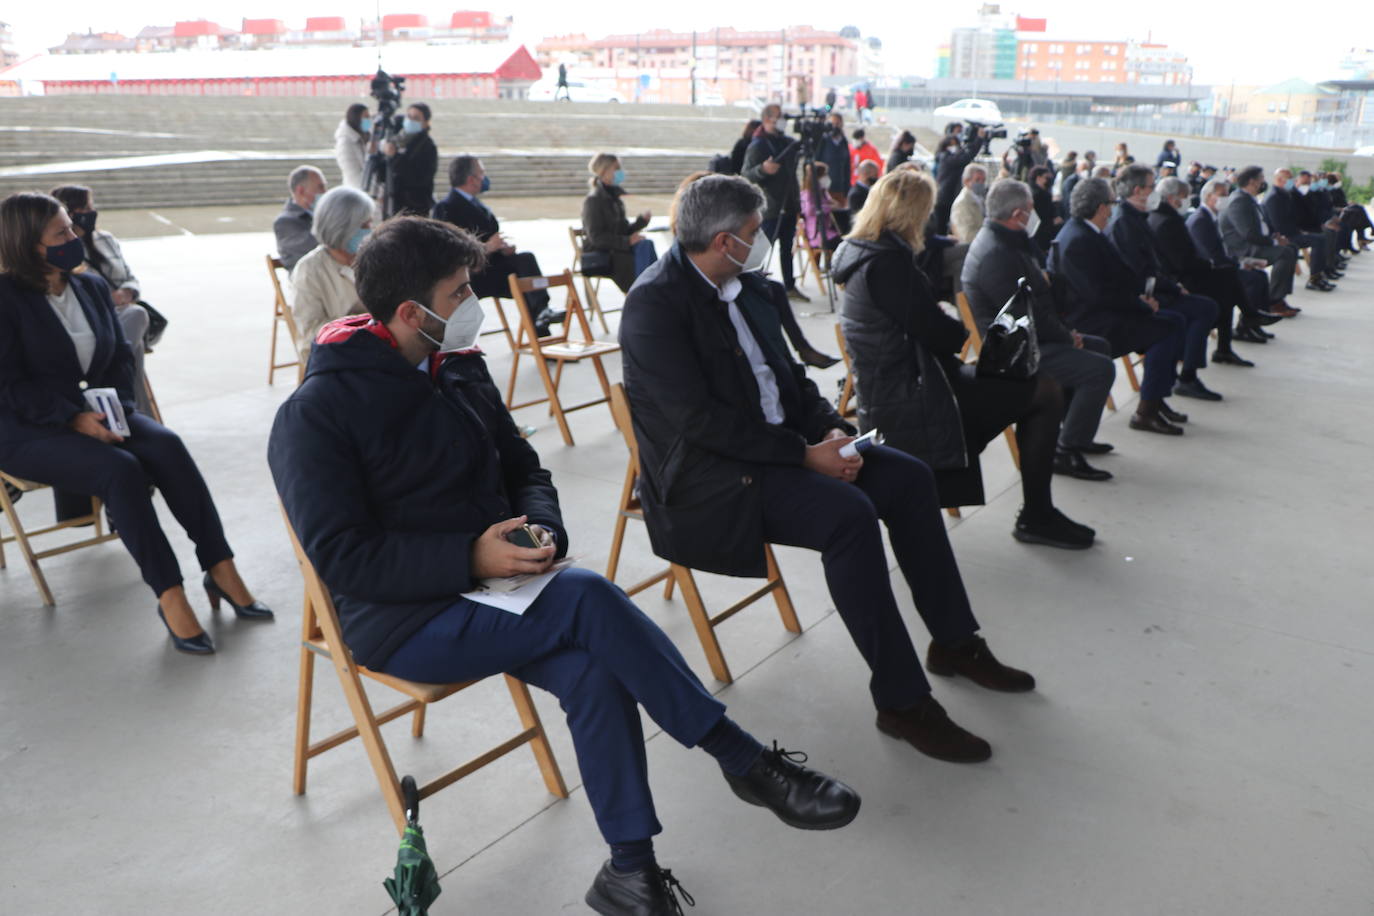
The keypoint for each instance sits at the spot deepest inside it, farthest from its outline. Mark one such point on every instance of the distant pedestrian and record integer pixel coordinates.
(562, 84)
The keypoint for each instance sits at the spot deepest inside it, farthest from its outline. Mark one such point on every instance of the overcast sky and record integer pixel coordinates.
(1221, 48)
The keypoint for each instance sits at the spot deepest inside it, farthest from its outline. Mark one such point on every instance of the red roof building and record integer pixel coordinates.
(325, 24)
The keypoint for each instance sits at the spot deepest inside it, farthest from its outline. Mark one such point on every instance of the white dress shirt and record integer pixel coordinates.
(73, 318)
(770, 399)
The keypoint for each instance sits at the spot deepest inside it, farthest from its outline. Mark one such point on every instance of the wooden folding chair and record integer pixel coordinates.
(281, 314)
(590, 285)
(153, 410)
(21, 536)
(680, 575)
(562, 348)
(321, 635)
(845, 407)
(1130, 361)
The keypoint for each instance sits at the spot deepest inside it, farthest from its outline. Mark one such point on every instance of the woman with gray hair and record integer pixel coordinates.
(324, 278)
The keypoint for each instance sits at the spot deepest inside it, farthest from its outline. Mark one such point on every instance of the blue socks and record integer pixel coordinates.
(733, 747)
(633, 856)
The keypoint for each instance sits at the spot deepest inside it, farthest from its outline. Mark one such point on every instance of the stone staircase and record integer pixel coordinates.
(529, 148)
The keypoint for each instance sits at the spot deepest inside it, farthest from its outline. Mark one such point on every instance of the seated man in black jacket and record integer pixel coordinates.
(414, 162)
(738, 449)
(464, 208)
(1281, 210)
(406, 488)
(1000, 256)
(1097, 294)
(1129, 233)
(1204, 229)
(1180, 258)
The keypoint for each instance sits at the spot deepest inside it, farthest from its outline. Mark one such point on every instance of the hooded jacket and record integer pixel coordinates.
(389, 473)
(902, 347)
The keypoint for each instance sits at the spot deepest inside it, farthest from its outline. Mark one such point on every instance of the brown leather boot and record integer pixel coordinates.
(975, 661)
(928, 728)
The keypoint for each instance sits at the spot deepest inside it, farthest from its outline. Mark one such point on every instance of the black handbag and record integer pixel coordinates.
(1009, 346)
(596, 264)
(157, 323)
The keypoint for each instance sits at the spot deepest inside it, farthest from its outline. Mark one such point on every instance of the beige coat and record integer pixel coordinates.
(324, 291)
(966, 216)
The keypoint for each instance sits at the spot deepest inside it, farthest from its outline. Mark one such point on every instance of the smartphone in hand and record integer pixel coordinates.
(524, 536)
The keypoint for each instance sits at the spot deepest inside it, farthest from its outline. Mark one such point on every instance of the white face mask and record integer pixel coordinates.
(461, 328)
(758, 253)
(824, 182)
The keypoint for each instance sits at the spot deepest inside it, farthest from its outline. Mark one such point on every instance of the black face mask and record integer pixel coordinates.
(85, 221)
(1264, 186)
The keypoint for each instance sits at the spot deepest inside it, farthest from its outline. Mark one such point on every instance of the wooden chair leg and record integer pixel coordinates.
(1130, 372)
(1015, 449)
(702, 621)
(1111, 404)
(371, 736)
(417, 723)
(539, 744)
(305, 694)
(780, 595)
(617, 539)
(555, 406)
(953, 512)
(272, 352)
(668, 587)
(26, 550)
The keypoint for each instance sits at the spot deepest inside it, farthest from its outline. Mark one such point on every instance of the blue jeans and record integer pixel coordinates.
(645, 254)
(587, 644)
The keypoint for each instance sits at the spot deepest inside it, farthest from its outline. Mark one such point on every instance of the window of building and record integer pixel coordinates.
(1056, 49)
(1111, 50)
(1031, 47)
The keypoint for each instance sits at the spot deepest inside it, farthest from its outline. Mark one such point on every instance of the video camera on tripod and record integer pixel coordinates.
(989, 134)
(378, 179)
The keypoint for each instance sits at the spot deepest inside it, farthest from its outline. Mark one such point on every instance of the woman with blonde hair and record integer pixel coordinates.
(912, 385)
(608, 230)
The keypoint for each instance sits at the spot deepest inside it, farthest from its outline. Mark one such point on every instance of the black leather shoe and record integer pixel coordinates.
(1053, 530)
(1248, 334)
(651, 891)
(1333, 275)
(1155, 423)
(1262, 317)
(1320, 286)
(200, 644)
(814, 357)
(1173, 416)
(1095, 448)
(1193, 388)
(549, 316)
(255, 611)
(800, 797)
(928, 728)
(976, 662)
(1072, 464)
(1229, 357)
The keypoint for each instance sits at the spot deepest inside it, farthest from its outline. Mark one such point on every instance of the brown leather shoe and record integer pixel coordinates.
(975, 661)
(928, 728)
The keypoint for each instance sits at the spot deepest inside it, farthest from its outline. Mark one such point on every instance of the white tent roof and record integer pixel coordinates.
(397, 59)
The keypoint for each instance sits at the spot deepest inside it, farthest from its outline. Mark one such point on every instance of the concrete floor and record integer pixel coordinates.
(1199, 743)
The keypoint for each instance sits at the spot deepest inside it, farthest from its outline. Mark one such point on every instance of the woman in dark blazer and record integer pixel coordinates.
(58, 338)
(1040, 179)
(910, 382)
(607, 227)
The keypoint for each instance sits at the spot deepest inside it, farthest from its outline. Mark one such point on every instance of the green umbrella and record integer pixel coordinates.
(415, 883)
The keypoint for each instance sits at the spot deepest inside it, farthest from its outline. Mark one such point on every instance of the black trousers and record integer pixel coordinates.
(783, 230)
(802, 508)
(119, 475)
(1159, 336)
(494, 281)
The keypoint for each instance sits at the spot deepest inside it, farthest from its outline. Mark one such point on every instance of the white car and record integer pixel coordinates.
(980, 111)
(1364, 151)
(578, 91)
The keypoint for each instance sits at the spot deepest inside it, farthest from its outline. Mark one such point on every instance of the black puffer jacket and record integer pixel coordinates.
(903, 348)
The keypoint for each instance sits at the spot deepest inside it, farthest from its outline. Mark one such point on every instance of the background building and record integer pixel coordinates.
(788, 65)
(7, 53)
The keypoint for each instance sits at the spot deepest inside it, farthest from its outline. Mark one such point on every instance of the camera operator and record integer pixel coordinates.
(833, 150)
(949, 171)
(771, 163)
(415, 164)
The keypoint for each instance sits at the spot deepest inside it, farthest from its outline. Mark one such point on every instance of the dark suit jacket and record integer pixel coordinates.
(1242, 227)
(293, 229)
(1179, 255)
(471, 215)
(1129, 233)
(415, 165)
(1282, 212)
(1092, 282)
(697, 415)
(41, 382)
(858, 196)
(1202, 227)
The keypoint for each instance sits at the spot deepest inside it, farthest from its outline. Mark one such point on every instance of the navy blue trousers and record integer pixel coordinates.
(1199, 316)
(802, 508)
(587, 644)
(119, 474)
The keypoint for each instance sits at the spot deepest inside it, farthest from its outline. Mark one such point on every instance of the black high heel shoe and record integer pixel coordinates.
(255, 611)
(196, 645)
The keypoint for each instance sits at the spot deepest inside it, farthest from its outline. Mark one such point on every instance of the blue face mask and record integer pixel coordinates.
(411, 126)
(356, 240)
(67, 256)
(366, 126)
(619, 177)
(486, 184)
